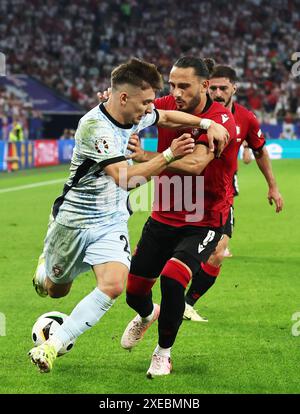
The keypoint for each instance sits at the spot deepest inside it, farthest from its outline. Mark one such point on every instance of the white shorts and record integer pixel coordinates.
(69, 252)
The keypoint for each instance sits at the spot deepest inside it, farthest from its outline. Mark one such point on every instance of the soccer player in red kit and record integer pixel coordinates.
(175, 241)
(222, 87)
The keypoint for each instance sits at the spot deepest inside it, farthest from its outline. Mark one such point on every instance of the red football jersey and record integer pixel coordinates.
(247, 129)
(217, 175)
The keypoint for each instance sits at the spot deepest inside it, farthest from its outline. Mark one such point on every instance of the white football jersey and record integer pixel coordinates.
(96, 198)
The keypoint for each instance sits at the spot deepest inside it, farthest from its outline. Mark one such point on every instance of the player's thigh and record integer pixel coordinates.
(64, 252)
(108, 252)
(108, 244)
(196, 246)
(153, 250)
(111, 278)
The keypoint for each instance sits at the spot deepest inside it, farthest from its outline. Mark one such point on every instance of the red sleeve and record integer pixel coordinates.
(255, 137)
(165, 102)
(160, 103)
(226, 119)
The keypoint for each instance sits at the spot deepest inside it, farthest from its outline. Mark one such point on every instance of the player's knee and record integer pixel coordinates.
(111, 278)
(57, 294)
(58, 291)
(117, 290)
(113, 290)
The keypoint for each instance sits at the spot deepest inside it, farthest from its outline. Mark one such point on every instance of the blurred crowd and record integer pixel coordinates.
(19, 121)
(68, 134)
(73, 45)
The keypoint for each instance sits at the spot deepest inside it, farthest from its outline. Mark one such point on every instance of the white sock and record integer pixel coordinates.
(148, 318)
(85, 315)
(164, 352)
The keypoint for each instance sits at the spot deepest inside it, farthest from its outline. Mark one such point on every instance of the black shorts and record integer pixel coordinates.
(160, 242)
(228, 226)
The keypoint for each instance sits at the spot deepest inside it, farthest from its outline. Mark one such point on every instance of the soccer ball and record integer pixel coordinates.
(45, 326)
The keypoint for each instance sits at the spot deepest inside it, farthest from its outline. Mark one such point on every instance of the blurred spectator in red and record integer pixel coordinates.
(73, 45)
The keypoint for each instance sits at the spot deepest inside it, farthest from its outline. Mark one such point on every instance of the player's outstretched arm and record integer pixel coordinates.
(138, 154)
(191, 164)
(194, 163)
(246, 154)
(215, 131)
(176, 119)
(263, 161)
(124, 175)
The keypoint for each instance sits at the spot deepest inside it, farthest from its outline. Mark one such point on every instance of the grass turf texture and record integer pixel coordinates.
(247, 346)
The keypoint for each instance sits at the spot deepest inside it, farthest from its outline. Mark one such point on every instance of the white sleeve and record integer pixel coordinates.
(148, 120)
(97, 141)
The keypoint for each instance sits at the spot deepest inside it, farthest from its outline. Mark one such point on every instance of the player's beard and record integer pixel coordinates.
(226, 103)
(194, 103)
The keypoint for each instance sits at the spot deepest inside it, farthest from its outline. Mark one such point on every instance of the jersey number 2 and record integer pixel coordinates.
(124, 238)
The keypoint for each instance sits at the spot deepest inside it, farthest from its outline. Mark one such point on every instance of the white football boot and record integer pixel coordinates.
(190, 314)
(136, 329)
(160, 365)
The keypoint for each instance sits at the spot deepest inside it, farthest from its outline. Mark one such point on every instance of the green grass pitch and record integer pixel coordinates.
(247, 346)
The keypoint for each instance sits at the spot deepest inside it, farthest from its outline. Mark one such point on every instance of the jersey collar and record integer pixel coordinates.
(208, 104)
(114, 121)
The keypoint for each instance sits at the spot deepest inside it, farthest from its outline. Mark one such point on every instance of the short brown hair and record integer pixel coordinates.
(138, 73)
(222, 71)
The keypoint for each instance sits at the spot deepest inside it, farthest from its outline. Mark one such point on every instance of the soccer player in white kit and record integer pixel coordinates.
(89, 227)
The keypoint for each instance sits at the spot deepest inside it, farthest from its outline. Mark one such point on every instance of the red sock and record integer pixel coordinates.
(177, 271)
(210, 269)
(138, 285)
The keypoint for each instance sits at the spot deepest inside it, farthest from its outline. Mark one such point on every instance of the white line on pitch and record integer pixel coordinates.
(27, 186)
